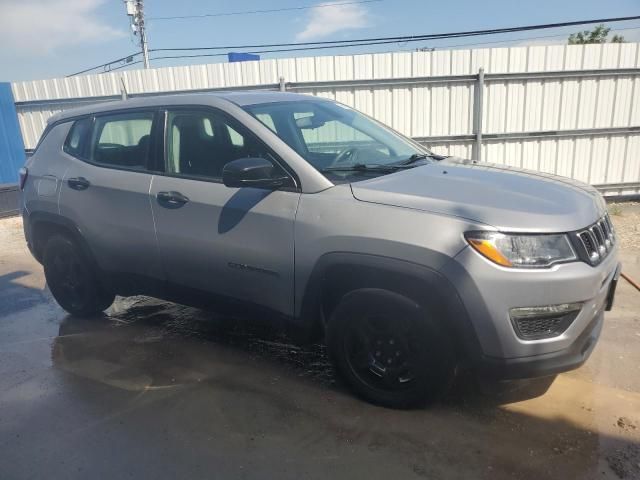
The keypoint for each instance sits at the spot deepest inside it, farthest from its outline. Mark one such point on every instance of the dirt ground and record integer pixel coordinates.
(626, 218)
(156, 390)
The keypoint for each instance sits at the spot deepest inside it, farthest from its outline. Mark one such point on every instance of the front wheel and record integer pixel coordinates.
(71, 280)
(388, 349)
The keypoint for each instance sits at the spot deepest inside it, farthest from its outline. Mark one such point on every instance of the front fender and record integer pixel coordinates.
(337, 273)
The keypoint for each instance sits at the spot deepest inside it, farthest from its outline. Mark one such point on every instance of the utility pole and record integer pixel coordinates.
(135, 11)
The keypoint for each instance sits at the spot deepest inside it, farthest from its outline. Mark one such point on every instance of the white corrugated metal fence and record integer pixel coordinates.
(571, 110)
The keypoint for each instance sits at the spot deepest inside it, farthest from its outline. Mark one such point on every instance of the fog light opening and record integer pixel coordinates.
(536, 323)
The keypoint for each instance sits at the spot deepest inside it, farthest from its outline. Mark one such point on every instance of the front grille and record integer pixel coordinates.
(597, 240)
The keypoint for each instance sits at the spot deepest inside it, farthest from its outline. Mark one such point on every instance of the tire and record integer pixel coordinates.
(71, 279)
(389, 349)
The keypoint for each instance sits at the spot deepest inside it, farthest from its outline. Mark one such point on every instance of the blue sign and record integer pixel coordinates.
(242, 57)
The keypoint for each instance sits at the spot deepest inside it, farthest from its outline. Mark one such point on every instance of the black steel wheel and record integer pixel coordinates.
(71, 280)
(388, 349)
(381, 352)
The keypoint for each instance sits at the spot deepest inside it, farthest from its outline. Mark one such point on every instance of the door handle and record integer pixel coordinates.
(78, 183)
(171, 199)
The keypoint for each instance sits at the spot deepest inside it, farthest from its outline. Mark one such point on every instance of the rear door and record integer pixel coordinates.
(237, 243)
(105, 190)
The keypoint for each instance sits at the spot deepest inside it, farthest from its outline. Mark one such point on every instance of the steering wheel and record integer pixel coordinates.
(344, 156)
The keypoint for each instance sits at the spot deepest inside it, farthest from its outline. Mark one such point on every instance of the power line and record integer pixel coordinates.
(280, 50)
(209, 55)
(306, 46)
(521, 39)
(412, 38)
(128, 60)
(362, 42)
(126, 65)
(271, 10)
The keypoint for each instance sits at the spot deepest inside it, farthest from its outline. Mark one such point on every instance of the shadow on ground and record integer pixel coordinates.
(14, 297)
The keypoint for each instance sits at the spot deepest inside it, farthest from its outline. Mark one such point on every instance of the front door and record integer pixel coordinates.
(237, 243)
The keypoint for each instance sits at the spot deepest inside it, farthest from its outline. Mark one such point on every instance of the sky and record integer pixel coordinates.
(54, 38)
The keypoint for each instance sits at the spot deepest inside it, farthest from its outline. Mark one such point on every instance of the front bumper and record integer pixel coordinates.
(488, 292)
(543, 365)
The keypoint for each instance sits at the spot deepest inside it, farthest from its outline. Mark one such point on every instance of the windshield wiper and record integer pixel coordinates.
(361, 167)
(421, 156)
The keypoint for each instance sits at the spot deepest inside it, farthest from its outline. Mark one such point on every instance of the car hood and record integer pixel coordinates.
(505, 197)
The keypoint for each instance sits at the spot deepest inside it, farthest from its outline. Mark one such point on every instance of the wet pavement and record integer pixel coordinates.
(156, 390)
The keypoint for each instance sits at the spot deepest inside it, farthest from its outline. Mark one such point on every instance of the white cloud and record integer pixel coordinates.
(39, 26)
(333, 17)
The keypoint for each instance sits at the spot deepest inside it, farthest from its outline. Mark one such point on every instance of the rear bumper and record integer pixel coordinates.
(26, 227)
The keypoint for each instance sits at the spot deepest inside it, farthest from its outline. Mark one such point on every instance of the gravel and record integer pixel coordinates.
(11, 235)
(626, 220)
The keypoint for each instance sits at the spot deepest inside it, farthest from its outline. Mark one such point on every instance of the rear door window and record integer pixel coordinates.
(122, 140)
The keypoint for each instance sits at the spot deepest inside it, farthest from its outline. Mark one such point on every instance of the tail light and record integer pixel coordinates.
(24, 173)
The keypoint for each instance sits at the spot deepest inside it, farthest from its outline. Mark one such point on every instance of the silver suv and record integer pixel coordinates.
(409, 264)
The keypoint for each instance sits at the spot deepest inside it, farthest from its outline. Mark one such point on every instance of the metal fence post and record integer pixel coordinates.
(477, 116)
(283, 86)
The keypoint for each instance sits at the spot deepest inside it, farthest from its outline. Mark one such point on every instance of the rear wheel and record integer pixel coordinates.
(388, 349)
(71, 279)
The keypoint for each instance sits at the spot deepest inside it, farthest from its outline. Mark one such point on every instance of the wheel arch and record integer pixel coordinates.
(336, 274)
(43, 225)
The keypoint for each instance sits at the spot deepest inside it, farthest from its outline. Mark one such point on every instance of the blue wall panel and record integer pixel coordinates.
(11, 147)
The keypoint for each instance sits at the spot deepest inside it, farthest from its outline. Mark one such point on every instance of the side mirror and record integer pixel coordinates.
(251, 172)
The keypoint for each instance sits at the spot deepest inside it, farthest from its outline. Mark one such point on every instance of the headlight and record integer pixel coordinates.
(523, 251)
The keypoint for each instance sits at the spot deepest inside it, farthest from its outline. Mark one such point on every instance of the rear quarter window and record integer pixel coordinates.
(76, 141)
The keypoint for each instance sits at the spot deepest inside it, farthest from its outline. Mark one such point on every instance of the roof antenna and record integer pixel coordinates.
(123, 89)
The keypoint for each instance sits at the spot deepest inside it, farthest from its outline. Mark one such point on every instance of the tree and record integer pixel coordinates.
(597, 35)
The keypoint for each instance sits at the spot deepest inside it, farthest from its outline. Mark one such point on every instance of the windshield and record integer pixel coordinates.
(335, 138)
